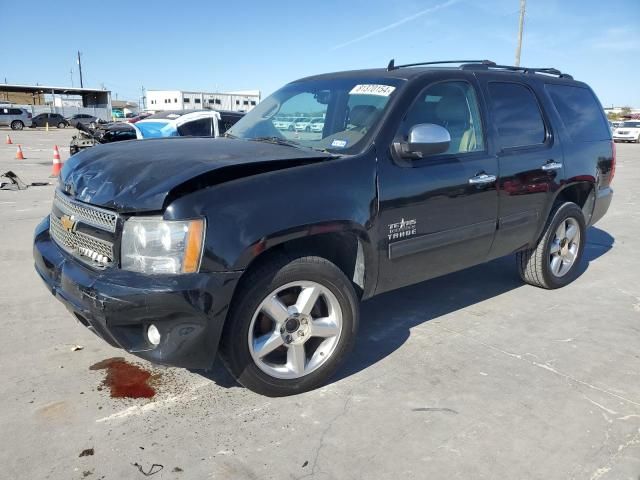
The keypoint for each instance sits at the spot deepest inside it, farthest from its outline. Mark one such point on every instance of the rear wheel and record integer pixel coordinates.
(291, 326)
(62, 125)
(17, 125)
(553, 262)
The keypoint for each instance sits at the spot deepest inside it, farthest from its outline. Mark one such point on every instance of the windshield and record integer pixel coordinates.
(157, 129)
(348, 109)
(630, 124)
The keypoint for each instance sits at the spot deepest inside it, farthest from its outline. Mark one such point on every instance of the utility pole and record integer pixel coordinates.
(523, 4)
(80, 69)
(71, 73)
(143, 100)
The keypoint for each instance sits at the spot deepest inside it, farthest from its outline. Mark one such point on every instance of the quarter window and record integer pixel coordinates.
(516, 114)
(454, 106)
(580, 112)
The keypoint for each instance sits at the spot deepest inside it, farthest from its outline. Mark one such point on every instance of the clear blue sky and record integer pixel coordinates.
(243, 44)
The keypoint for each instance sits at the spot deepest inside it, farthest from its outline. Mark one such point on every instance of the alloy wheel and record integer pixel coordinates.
(564, 247)
(295, 330)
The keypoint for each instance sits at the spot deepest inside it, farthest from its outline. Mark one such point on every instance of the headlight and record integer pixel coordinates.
(154, 245)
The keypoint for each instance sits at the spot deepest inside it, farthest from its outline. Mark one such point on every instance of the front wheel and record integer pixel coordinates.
(553, 262)
(290, 326)
(61, 125)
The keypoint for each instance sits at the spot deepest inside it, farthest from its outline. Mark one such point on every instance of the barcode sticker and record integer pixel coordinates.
(380, 90)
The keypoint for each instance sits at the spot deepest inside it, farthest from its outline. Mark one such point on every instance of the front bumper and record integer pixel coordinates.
(189, 310)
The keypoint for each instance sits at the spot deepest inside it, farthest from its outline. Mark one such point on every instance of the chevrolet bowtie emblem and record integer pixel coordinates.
(68, 223)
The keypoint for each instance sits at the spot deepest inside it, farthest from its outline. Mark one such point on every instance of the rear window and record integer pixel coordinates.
(516, 114)
(580, 112)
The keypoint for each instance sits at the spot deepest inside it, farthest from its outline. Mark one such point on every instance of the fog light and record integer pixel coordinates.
(153, 335)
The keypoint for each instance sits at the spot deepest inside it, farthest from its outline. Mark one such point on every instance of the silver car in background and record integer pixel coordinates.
(16, 118)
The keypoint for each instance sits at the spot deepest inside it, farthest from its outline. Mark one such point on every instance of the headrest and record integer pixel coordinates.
(452, 109)
(362, 115)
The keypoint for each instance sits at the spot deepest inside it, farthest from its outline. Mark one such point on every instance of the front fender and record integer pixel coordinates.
(249, 215)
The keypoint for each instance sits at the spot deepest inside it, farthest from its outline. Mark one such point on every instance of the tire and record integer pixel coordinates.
(17, 125)
(285, 278)
(61, 125)
(536, 265)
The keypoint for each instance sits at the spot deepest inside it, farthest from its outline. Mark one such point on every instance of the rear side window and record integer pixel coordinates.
(516, 114)
(15, 111)
(580, 112)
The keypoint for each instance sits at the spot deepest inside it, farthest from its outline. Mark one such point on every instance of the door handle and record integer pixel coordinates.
(551, 165)
(481, 179)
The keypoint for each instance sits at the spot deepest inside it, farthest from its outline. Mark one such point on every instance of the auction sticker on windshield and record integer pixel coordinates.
(372, 89)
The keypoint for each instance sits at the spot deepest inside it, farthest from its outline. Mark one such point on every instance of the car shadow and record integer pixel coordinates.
(386, 320)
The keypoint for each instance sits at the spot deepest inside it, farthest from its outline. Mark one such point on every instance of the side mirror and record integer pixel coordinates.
(425, 139)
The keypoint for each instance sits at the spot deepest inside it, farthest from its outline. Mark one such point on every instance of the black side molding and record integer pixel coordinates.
(431, 241)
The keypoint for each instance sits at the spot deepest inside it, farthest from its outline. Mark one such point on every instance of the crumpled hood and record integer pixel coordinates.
(138, 175)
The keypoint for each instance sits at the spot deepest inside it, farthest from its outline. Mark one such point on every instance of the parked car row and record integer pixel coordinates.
(299, 124)
(17, 118)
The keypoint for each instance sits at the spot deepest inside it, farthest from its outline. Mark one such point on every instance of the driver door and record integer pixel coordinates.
(438, 213)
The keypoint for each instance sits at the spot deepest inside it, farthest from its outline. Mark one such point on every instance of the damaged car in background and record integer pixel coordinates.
(177, 123)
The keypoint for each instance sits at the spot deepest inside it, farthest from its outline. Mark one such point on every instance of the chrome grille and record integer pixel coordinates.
(93, 249)
(84, 213)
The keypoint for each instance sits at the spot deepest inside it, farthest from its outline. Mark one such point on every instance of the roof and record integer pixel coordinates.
(7, 87)
(411, 71)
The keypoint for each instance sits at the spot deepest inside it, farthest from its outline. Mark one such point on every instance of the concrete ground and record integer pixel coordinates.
(469, 376)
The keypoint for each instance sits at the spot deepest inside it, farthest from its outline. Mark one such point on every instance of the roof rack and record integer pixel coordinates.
(511, 68)
(484, 65)
(393, 66)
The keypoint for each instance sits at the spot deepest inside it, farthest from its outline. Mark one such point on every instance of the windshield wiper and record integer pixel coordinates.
(276, 140)
(228, 135)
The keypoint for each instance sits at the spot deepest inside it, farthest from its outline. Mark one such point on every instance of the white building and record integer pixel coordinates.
(241, 101)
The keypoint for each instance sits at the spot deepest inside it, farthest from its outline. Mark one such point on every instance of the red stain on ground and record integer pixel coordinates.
(124, 379)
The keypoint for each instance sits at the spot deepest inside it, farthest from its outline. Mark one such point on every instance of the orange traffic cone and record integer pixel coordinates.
(19, 155)
(9, 142)
(57, 163)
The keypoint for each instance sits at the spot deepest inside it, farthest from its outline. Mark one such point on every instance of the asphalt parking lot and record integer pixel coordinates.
(470, 376)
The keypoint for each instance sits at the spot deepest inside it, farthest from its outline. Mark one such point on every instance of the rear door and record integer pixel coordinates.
(438, 214)
(530, 161)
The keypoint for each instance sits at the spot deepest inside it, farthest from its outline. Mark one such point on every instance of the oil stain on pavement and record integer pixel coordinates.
(126, 380)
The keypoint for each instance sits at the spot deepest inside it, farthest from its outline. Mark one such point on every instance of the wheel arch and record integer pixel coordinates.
(581, 192)
(345, 244)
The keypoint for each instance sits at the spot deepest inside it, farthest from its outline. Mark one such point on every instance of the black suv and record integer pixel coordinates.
(261, 244)
(51, 119)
